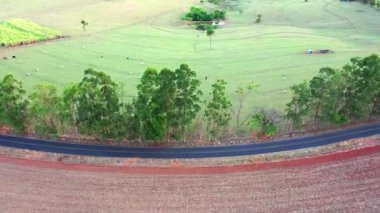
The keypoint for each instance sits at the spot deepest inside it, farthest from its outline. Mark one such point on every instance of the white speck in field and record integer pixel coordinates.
(62, 67)
(130, 73)
(37, 69)
(285, 78)
(285, 91)
(45, 52)
(28, 74)
(142, 63)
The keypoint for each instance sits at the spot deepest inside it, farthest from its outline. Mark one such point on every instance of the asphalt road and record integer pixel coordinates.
(195, 152)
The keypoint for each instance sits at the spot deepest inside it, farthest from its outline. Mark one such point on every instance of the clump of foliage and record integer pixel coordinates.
(218, 109)
(298, 107)
(201, 27)
(94, 105)
(203, 20)
(202, 15)
(372, 3)
(46, 110)
(210, 32)
(84, 24)
(215, 1)
(166, 103)
(337, 96)
(13, 105)
(258, 19)
(264, 122)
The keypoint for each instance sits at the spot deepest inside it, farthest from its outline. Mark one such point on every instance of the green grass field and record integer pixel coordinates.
(152, 35)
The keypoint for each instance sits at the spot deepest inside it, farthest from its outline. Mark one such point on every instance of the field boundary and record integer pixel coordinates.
(338, 156)
(32, 42)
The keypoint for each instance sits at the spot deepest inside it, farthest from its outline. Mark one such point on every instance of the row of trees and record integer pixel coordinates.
(202, 15)
(169, 104)
(166, 105)
(337, 96)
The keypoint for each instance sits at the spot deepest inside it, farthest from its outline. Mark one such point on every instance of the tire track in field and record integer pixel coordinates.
(146, 20)
(343, 18)
(57, 8)
(155, 19)
(283, 15)
(270, 34)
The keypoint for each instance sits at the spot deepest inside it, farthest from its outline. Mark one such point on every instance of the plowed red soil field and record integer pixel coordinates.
(350, 185)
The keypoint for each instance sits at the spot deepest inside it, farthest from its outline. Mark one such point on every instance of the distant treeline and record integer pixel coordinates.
(372, 3)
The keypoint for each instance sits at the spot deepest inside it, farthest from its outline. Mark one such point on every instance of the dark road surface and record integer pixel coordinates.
(196, 152)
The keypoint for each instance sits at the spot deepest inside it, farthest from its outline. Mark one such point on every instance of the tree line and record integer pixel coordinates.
(338, 96)
(169, 104)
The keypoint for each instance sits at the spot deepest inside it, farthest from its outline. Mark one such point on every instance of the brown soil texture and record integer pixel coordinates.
(352, 185)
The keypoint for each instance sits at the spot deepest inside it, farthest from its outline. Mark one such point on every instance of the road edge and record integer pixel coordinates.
(181, 170)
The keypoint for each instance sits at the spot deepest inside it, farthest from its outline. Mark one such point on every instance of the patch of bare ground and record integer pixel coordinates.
(352, 185)
(140, 162)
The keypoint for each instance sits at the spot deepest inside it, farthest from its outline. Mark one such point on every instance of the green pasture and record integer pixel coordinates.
(124, 37)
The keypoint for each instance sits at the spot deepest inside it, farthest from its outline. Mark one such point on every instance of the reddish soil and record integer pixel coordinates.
(4, 130)
(341, 182)
(178, 168)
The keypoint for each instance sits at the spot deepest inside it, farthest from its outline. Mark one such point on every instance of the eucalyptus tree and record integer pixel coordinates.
(362, 77)
(298, 107)
(218, 109)
(187, 100)
(95, 105)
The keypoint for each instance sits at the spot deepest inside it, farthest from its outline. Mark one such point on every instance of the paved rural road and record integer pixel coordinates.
(196, 152)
